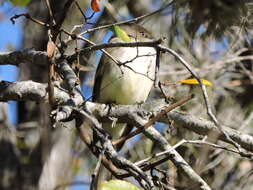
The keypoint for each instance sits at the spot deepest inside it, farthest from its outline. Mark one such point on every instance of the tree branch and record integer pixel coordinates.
(33, 91)
(23, 56)
(29, 91)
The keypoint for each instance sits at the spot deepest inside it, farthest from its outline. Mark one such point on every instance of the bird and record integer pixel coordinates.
(129, 82)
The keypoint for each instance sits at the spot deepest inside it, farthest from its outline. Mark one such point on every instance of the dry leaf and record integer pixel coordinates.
(50, 49)
(95, 5)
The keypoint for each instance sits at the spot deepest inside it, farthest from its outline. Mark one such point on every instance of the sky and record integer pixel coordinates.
(10, 36)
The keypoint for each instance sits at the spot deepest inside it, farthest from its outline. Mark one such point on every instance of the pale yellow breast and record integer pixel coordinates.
(130, 83)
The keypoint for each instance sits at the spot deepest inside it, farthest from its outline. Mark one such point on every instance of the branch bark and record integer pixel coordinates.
(23, 56)
(132, 114)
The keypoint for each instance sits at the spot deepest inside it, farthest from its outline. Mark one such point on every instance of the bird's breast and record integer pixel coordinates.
(132, 81)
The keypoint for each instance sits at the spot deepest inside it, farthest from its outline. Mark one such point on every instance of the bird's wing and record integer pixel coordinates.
(98, 80)
(100, 73)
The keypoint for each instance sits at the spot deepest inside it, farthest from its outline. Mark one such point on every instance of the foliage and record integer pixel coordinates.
(218, 16)
(21, 3)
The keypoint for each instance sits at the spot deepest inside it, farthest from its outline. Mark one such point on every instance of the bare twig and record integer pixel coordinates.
(155, 156)
(90, 42)
(50, 11)
(204, 92)
(200, 142)
(128, 21)
(94, 176)
(110, 152)
(152, 121)
(158, 53)
(27, 16)
(146, 165)
(84, 16)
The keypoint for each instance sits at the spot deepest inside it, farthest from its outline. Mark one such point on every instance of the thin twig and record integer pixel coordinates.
(152, 121)
(157, 66)
(27, 16)
(50, 11)
(110, 152)
(92, 43)
(145, 162)
(84, 16)
(94, 176)
(246, 155)
(141, 162)
(204, 92)
(128, 21)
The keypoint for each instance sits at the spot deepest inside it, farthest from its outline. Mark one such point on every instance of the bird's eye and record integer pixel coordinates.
(142, 33)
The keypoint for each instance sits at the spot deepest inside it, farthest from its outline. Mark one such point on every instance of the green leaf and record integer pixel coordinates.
(116, 185)
(20, 3)
(120, 33)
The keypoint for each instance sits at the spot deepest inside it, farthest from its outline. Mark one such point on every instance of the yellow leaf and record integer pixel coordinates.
(120, 33)
(194, 81)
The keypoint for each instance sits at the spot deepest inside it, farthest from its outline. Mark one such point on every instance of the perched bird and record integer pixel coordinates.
(131, 81)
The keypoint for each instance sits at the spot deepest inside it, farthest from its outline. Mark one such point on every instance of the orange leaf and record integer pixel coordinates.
(50, 49)
(95, 5)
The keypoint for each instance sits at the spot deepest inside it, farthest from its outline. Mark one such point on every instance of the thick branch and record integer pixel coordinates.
(28, 90)
(40, 57)
(133, 114)
(205, 127)
(24, 56)
(90, 135)
(67, 73)
(139, 120)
